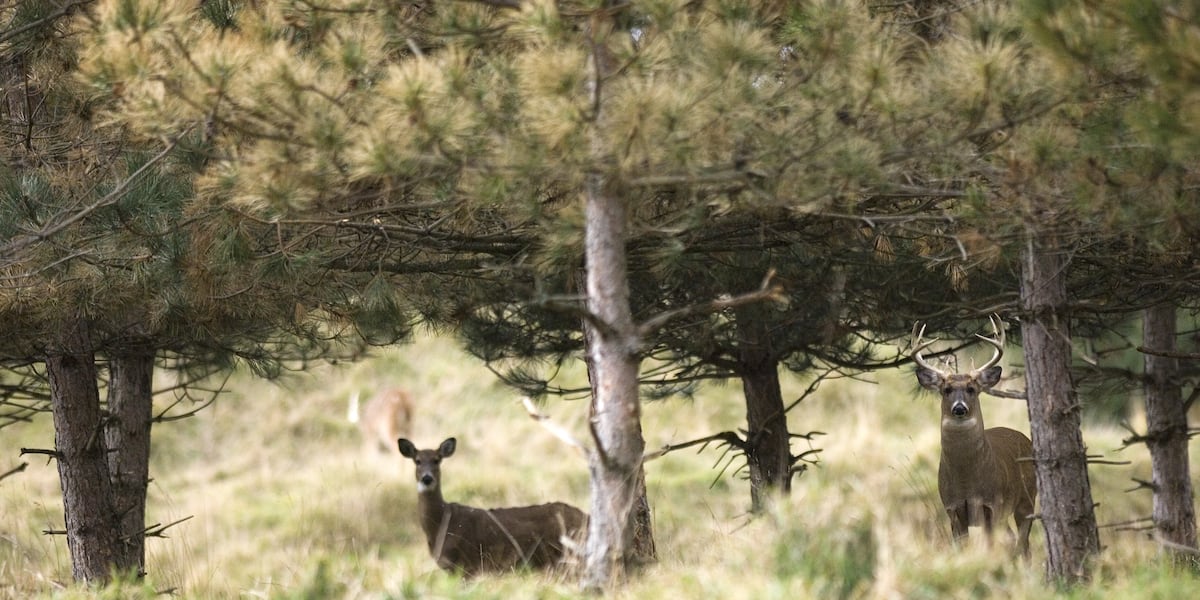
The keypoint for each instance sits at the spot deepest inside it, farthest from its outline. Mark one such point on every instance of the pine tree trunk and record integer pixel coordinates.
(616, 421)
(130, 404)
(644, 550)
(1064, 491)
(93, 531)
(616, 414)
(768, 451)
(1167, 438)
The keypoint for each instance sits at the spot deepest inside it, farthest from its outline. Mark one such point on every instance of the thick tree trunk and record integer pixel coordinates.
(1064, 491)
(93, 531)
(768, 442)
(1167, 438)
(130, 405)
(616, 412)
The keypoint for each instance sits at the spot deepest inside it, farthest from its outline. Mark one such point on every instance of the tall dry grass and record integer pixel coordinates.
(284, 502)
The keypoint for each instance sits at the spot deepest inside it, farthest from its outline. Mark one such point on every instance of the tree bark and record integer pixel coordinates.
(130, 405)
(1167, 438)
(644, 550)
(768, 442)
(616, 412)
(93, 532)
(1064, 491)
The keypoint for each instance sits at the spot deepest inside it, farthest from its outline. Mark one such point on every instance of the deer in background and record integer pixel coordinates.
(387, 416)
(473, 540)
(985, 474)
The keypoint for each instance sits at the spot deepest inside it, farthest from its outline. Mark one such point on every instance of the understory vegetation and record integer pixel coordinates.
(283, 500)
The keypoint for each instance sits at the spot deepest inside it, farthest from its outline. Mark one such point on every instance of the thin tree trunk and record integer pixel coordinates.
(130, 404)
(1167, 438)
(768, 448)
(644, 550)
(93, 532)
(616, 414)
(1064, 491)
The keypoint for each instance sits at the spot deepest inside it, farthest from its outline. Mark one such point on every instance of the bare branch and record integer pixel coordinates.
(1169, 353)
(1095, 459)
(1014, 394)
(1142, 484)
(13, 471)
(51, 453)
(554, 429)
(157, 529)
(728, 438)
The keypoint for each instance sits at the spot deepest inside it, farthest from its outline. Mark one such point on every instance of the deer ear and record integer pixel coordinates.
(928, 378)
(447, 447)
(407, 449)
(990, 377)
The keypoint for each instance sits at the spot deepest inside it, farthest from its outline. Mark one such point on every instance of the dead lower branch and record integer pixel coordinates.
(13, 471)
(157, 529)
(555, 429)
(1169, 353)
(1142, 484)
(727, 438)
(51, 453)
(1096, 459)
(1014, 394)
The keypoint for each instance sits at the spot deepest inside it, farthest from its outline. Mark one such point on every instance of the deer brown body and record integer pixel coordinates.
(985, 475)
(474, 540)
(387, 416)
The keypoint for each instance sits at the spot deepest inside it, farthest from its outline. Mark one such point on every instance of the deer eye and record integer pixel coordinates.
(970, 389)
(946, 390)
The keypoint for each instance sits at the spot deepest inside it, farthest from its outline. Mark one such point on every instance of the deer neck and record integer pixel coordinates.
(433, 510)
(964, 443)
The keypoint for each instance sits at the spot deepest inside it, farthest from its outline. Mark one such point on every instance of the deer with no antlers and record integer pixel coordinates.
(387, 416)
(473, 540)
(985, 474)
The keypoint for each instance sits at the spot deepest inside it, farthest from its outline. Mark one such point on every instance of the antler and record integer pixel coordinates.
(919, 347)
(998, 331)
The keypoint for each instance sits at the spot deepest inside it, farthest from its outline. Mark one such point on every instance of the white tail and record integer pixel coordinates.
(473, 540)
(352, 413)
(386, 417)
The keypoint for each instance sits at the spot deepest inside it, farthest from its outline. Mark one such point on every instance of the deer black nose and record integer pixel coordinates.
(427, 479)
(959, 409)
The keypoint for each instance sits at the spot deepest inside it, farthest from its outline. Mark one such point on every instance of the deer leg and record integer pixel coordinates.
(988, 522)
(1024, 524)
(959, 517)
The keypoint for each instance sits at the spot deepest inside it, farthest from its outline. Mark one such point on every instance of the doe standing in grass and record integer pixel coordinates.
(473, 540)
(985, 475)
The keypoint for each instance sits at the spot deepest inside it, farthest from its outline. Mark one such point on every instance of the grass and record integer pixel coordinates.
(285, 502)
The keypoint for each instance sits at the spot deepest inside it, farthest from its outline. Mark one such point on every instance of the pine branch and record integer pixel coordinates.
(767, 291)
(108, 200)
(62, 11)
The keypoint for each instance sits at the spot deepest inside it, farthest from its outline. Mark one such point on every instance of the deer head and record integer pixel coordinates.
(428, 463)
(960, 392)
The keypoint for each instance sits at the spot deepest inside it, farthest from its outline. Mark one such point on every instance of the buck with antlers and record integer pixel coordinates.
(985, 474)
(472, 540)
